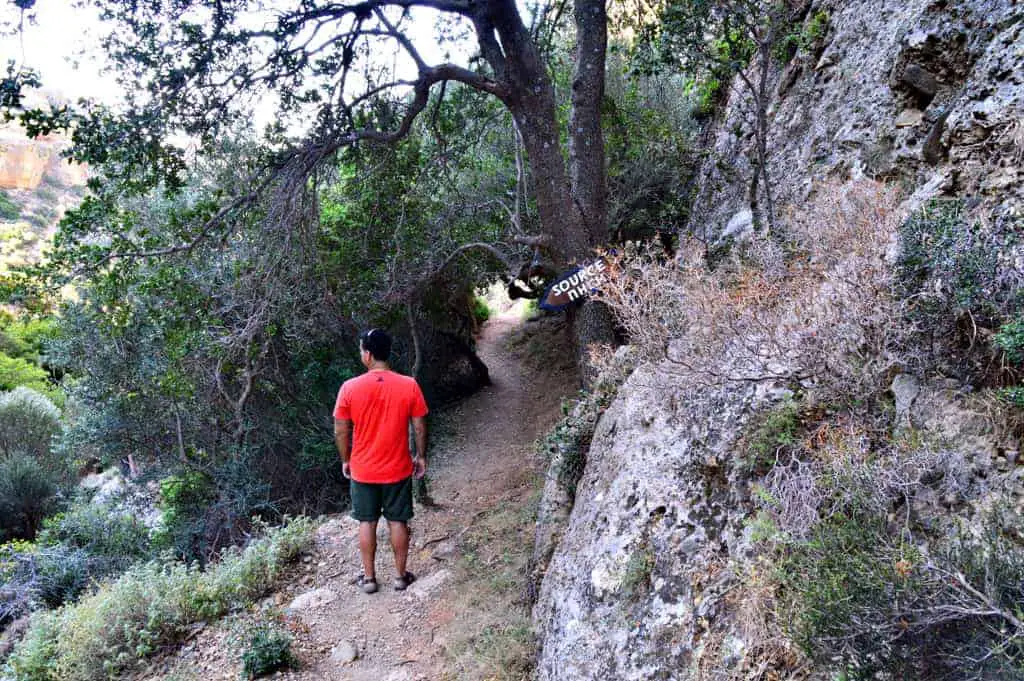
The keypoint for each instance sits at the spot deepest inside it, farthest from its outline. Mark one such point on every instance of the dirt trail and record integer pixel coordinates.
(485, 482)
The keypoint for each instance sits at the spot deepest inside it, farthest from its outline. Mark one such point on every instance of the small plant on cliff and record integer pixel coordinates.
(8, 209)
(776, 430)
(879, 603)
(570, 440)
(953, 272)
(805, 37)
(1010, 339)
(267, 648)
(637, 576)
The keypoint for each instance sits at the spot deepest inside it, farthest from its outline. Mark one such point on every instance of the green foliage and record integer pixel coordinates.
(59, 574)
(775, 431)
(859, 594)
(149, 607)
(1014, 396)
(267, 649)
(44, 192)
(708, 91)
(26, 336)
(762, 527)
(531, 308)
(74, 549)
(949, 264)
(1010, 339)
(803, 37)
(570, 440)
(111, 537)
(16, 372)
(28, 422)
(27, 494)
(649, 147)
(846, 570)
(637, 575)
(816, 28)
(183, 499)
(481, 311)
(40, 220)
(8, 209)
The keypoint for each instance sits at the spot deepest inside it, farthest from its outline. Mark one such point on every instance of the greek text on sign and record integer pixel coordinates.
(573, 286)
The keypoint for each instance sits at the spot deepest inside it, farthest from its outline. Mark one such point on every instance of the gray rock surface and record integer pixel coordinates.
(837, 110)
(651, 513)
(345, 652)
(310, 600)
(427, 586)
(928, 94)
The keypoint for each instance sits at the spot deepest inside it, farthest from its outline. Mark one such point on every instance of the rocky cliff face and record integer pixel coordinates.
(644, 578)
(24, 162)
(926, 92)
(630, 582)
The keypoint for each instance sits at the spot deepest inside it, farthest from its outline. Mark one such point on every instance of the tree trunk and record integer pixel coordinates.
(586, 138)
(570, 202)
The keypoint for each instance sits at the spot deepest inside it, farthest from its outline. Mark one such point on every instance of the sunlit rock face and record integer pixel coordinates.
(24, 162)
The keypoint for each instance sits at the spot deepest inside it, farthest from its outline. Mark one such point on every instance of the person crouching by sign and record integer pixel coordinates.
(378, 406)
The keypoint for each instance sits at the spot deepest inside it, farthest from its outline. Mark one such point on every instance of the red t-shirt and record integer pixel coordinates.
(380, 404)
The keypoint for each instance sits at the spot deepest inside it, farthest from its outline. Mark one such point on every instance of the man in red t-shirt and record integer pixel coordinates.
(375, 457)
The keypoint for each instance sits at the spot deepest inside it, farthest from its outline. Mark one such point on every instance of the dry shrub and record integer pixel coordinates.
(819, 310)
(842, 468)
(766, 654)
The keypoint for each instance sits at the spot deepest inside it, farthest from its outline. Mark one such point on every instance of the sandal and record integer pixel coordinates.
(368, 586)
(405, 580)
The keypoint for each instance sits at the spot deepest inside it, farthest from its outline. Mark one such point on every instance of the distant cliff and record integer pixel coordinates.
(24, 163)
(37, 184)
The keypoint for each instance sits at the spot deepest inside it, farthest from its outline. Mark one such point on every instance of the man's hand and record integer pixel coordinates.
(343, 440)
(419, 463)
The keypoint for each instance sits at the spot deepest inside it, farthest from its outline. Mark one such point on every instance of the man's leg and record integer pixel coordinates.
(366, 507)
(368, 546)
(399, 531)
(397, 503)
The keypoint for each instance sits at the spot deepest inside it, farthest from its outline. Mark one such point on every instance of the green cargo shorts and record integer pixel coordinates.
(370, 499)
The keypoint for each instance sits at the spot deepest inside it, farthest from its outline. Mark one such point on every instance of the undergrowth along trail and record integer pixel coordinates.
(466, 617)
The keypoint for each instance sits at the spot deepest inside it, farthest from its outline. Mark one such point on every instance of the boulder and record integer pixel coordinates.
(921, 81)
(312, 600)
(345, 652)
(909, 118)
(427, 586)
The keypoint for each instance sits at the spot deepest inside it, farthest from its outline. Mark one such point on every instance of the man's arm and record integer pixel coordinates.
(419, 426)
(343, 440)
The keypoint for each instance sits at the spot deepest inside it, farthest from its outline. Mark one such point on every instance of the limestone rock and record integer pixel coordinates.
(345, 652)
(427, 586)
(905, 389)
(444, 550)
(909, 118)
(312, 600)
(920, 80)
(25, 162)
(740, 225)
(644, 524)
(967, 60)
(105, 486)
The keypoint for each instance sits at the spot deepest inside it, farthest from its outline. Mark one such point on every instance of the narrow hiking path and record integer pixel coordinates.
(465, 617)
